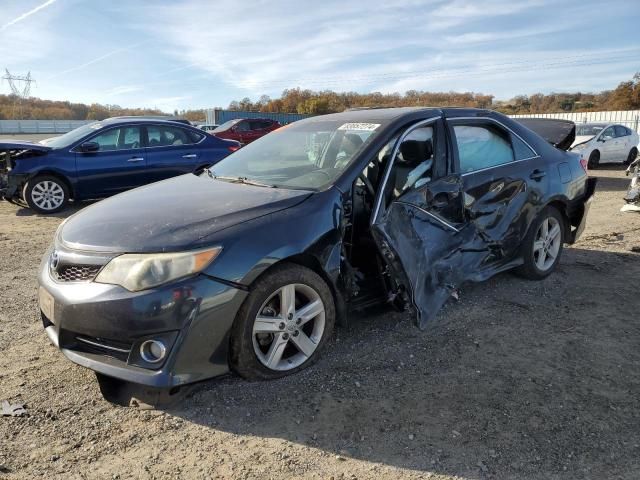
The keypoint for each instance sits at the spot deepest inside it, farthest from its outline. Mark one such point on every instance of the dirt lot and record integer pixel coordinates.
(517, 380)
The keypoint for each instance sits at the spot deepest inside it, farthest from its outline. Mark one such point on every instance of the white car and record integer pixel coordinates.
(605, 143)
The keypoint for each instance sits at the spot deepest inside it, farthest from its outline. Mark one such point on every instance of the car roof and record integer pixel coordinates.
(386, 116)
(169, 121)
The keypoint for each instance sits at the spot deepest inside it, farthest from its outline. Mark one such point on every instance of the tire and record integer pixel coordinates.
(535, 267)
(632, 156)
(269, 349)
(46, 194)
(594, 160)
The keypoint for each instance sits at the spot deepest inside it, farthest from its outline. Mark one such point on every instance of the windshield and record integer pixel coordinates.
(226, 125)
(590, 130)
(305, 155)
(73, 136)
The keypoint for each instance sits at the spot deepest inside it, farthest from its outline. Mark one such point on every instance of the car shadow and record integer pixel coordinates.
(518, 379)
(24, 211)
(609, 183)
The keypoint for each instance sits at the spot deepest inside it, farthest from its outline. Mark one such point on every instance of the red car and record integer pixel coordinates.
(245, 130)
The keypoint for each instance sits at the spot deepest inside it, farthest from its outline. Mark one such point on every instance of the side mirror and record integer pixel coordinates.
(89, 147)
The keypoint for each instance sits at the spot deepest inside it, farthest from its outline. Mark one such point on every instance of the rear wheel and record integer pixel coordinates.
(283, 324)
(594, 159)
(46, 194)
(543, 245)
(632, 156)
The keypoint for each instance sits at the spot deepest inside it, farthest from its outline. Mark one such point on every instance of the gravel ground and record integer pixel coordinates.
(526, 380)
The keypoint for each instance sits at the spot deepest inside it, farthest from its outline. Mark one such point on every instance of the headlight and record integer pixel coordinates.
(136, 272)
(580, 146)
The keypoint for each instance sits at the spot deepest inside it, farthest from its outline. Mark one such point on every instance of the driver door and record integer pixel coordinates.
(418, 221)
(118, 165)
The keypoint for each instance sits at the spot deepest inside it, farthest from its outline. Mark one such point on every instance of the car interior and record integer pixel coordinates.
(411, 169)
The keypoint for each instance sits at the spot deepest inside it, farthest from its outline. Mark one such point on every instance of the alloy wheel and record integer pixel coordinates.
(547, 243)
(289, 327)
(47, 195)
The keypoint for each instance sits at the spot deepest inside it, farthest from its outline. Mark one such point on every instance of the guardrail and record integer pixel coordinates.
(40, 126)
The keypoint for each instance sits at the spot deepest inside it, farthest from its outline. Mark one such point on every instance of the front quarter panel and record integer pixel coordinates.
(59, 162)
(310, 228)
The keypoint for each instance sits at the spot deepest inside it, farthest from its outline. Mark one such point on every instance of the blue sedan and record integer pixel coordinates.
(104, 158)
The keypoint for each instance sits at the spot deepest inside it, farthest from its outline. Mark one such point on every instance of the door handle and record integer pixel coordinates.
(537, 175)
(190, 155)
(136, 159)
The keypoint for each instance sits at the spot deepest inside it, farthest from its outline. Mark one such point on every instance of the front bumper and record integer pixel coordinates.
(10, 185)
(102, 326)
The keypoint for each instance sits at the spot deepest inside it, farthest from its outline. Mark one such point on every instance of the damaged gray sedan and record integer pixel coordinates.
(247, 267)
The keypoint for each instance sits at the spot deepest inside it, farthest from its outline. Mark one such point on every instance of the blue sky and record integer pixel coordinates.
(197, 54)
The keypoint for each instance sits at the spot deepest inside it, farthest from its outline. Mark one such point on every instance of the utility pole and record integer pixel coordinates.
(19, 93)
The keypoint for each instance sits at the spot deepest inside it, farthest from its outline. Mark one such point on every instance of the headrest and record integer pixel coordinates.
(415, 152)
(354, 139)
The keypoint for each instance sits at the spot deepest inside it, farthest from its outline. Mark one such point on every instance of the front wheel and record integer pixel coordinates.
(46, 194)
(594, 160)
(542, 246)
(283, 324)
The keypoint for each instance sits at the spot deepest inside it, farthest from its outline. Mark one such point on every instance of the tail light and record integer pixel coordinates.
(233, 148)
(585, 165)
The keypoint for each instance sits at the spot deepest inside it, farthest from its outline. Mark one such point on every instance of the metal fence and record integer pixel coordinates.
(628, 118)
(217, 116)
(40, 126)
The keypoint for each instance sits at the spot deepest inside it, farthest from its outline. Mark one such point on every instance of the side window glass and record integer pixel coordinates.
(608, 134)
(130, 138)
(107, 140)
(161, 136)
(118, 139)
(621, 131)
(521, 150)
(412, 165)
(195, 137)
(243, 126)
(154, 136)
(482, 147)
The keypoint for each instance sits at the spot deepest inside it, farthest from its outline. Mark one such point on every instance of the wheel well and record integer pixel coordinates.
(595, 151)
(312, 263)
(59, 176)
(562, 207)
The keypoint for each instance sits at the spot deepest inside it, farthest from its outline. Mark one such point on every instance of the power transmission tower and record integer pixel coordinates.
(19, 93)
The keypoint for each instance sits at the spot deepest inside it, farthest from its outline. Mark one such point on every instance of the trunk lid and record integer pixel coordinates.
(559, 133)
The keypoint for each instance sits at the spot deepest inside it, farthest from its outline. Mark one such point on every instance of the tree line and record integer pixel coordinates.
(13, 107)
(626, 96)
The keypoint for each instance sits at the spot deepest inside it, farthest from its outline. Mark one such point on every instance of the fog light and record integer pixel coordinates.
(153, 351)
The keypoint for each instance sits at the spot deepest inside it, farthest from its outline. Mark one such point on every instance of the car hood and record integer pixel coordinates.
(581, 139)
(23, 145)
(171, 215)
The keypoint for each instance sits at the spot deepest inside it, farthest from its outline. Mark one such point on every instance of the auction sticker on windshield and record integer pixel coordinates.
(365, 127)
(46, 304)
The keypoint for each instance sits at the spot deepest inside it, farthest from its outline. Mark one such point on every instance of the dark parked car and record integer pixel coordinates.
(248, 265)
(246, 130)
(103, 158)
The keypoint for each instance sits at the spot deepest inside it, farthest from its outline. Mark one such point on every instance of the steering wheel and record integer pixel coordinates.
(135, 145)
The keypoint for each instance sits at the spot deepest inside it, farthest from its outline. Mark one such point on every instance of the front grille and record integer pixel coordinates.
(76, 273)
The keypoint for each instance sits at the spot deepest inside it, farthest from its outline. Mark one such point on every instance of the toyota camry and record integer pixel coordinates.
(247, 266)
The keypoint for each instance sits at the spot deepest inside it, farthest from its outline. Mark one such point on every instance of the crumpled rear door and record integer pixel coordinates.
(423, 236)
(428, 254)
